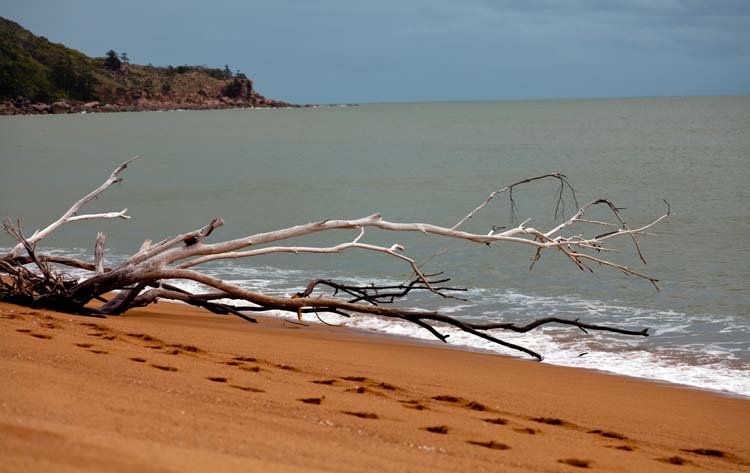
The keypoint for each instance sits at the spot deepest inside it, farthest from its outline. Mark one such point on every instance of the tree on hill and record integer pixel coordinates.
(75, 81)
(112, 61)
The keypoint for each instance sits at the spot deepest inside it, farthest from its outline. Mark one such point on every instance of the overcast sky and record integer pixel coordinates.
(333, 51)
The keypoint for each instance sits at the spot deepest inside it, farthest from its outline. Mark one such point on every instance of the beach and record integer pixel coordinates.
(172, 388)
(341, 238)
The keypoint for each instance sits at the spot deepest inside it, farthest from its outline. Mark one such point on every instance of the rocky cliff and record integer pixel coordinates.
(38, 77)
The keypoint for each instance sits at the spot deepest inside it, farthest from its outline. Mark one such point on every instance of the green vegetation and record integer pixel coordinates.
(111, 61)
(34, 69)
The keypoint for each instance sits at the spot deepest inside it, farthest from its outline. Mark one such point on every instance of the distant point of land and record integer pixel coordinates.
(40, 77)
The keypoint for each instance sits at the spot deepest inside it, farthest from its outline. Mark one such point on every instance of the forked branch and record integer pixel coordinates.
(71, 214)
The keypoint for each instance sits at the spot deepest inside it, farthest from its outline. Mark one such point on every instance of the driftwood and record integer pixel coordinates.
(29, 278)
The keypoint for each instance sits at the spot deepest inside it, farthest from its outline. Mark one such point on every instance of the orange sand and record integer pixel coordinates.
(175, 389)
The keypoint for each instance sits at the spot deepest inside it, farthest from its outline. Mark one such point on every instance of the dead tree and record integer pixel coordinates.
(29, 277)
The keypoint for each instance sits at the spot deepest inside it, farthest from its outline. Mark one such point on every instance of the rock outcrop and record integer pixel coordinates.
(234, 93)
(40, 77)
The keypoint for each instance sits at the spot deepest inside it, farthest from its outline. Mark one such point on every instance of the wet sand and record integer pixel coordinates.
(172, 388)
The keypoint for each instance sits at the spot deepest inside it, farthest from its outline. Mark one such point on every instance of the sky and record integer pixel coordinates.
(352, 51)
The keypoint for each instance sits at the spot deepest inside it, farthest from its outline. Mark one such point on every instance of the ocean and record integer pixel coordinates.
(266, 169)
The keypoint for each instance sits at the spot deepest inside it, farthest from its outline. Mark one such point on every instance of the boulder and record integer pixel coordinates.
(39, 108)
(60, 107)
(8, 108)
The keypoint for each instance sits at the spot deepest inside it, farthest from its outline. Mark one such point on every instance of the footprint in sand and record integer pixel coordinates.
(477, 406)
(326, 382)
(23, 330)
(98, 352)
(626, 448)
(217, 379)
(365, 390)
(387, 387)
(356, 379)
(144, 337)
(712, 452)
(138, 359)
(244, 358)
(311, 400)
(491, 444)
(361, 415)
(437, 429)
(84, 345)
(675, 460)
(41, 336)
(473, 405)
(414, 404)
(247, 388)
(708, 452)
(527, 430)
(101, 331)
(549, 420)
(92, 325)
(608, 434)
(447, 398)
(497, 421)
(576, 462)
(164, 367)
(362, 389)
(186, 348)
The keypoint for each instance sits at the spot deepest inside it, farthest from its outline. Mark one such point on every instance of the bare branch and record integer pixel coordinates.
(557, 175)
(70, 214)
(121, 214)
(99, 253)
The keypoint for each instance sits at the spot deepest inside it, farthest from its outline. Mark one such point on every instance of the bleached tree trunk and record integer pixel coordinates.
(140, 279)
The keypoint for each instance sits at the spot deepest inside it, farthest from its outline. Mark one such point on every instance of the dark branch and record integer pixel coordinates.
(382, 294)
(555, 320)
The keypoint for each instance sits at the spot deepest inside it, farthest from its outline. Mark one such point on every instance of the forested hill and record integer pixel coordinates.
(37, 76)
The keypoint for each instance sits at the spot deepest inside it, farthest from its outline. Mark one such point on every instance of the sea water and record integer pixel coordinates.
(266, 169)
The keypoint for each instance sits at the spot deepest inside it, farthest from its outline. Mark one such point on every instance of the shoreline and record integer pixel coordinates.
(176, 388)
(434, 344)
(10, 108)
(82, 109)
